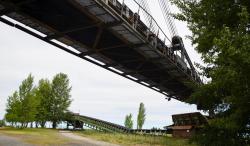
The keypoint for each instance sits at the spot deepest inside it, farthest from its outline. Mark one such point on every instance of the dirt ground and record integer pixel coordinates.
(74, 140)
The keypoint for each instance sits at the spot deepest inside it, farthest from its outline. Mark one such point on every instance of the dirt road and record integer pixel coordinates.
(12, 141)
(75, 140)
(85, 141)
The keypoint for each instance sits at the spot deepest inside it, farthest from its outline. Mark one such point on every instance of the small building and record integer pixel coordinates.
(186, 125)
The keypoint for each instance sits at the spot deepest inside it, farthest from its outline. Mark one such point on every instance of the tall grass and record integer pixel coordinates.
(132, 139)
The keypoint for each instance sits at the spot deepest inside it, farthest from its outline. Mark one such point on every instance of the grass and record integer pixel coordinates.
(52, 137)
(134, 140)
(36, 136)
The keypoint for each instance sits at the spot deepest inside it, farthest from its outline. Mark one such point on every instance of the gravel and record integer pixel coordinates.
(11, 141)
(76, 140)
(83, 141)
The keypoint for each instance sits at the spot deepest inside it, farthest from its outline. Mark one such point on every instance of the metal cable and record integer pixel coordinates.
(164, 4)
(148, 14)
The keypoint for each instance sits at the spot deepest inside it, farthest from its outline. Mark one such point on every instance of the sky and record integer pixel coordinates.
(96, 92)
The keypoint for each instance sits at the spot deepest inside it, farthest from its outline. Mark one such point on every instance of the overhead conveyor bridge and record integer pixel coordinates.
(80, 121)
(111, 35)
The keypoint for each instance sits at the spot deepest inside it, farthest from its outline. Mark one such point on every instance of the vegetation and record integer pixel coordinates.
(128, 121)
(2, 123)
(36, 136)
(141, 117)
(39, 136)
(48, 101)
(44, 94)
(21, 106)
(221, 35)
(132, 140)
(61, 98)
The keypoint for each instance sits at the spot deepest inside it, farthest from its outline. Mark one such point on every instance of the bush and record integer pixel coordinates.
(214, 136)
(2, 123)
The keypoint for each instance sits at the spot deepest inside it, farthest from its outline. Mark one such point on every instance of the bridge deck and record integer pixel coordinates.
(103, 33)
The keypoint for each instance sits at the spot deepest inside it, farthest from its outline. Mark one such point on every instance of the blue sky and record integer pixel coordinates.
(96, 92)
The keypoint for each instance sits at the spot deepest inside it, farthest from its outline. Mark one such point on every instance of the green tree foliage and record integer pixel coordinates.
(128, 121)
(28, 101)
(44, 95)
(141, 117)
(2, 123)
(12, 108)
(48, 101)
(220, 34)
(60, 100)
(21, 106)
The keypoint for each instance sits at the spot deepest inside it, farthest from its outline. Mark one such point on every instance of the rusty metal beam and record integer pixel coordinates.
(145, 70)
(24, 2)
(62, 33)
(98, 37)
(109, 47)
(99, 24)
(5, 11)
(9, 7)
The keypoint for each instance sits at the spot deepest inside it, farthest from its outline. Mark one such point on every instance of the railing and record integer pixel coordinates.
(146, 25)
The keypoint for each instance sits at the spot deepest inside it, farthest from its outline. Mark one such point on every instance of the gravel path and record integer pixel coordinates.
(76, 140)
(11, 141)
(83, 141)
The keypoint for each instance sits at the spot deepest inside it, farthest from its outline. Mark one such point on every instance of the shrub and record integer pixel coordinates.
(2, 123)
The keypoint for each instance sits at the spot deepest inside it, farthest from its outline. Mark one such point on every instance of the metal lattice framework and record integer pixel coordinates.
(80, 121)
(109, 34)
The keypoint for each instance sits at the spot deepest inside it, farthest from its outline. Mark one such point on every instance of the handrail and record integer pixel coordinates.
(186, 54)
(153, 20)
(149, 29)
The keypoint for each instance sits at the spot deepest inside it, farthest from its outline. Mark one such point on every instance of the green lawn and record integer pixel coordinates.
(52, 137)
(36, 136)
(134, 140)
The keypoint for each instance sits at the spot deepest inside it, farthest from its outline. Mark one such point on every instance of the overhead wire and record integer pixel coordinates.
(164, 5)
(147, 14)
(165, 8)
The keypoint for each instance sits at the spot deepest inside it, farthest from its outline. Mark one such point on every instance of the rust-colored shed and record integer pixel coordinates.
(186, 125)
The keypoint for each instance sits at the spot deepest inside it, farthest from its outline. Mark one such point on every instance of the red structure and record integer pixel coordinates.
(186, 125)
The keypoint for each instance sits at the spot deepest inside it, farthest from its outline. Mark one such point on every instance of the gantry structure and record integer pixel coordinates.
(111, 34)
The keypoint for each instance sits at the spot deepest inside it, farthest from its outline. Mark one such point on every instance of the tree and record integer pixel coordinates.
(128, 121)
(141, 117)
(2, 123)
(44, 95)
(221, 36)
(47, 102)
(60, 100)
(21, 106)
(13, 108)
(28, 101)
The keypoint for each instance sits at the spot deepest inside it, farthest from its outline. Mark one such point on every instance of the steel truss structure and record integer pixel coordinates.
(109, 34)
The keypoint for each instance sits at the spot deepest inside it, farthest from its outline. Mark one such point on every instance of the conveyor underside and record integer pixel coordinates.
(100, 34)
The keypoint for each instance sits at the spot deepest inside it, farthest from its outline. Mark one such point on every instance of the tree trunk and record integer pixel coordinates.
(54, 125)
(26, 125)
(43, 124)
(211, 113)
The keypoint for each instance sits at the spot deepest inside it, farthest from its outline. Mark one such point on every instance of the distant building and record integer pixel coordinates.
(186, 125)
